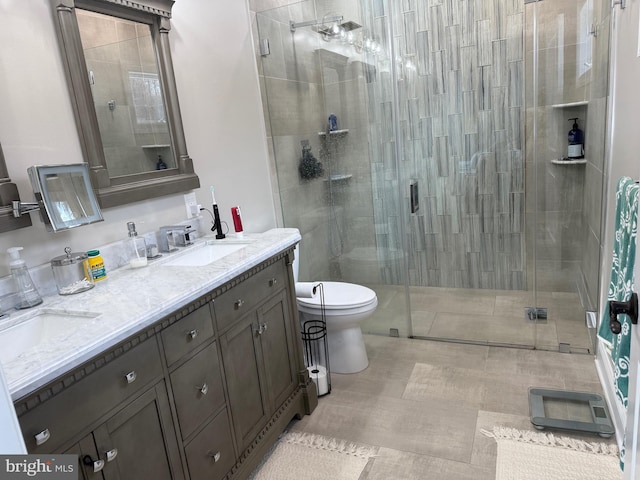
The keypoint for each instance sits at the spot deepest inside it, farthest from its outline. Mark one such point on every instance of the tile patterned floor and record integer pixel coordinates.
(485, 316)
(424, 404)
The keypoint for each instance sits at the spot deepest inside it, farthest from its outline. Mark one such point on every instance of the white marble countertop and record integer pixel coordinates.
(127, 302)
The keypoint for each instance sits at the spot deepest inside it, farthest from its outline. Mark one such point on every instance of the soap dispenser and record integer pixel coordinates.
(136, 248)
(26, 290)
(576, 141)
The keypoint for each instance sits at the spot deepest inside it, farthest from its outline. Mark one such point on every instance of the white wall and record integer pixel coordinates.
(221, 109)
(623, 148)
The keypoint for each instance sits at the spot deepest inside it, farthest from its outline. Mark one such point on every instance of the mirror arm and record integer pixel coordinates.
(20, 208)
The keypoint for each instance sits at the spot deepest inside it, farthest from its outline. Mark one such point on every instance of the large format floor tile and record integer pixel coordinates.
(425, 404)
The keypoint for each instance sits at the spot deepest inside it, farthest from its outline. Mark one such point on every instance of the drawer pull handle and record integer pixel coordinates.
(273, 281)
(261, 328)
(204, 388)
(215, 456)
(96, 464)
(112, 454)
(43, 436)
(193, 333)
(239, 303)
(131, 377)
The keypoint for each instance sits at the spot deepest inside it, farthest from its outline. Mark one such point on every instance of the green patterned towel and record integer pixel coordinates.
(621, 285)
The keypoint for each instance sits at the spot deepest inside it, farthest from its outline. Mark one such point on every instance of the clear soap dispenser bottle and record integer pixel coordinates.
(136, 248)
(26, 290)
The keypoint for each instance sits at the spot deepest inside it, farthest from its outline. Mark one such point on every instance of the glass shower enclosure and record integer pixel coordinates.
(443, 186)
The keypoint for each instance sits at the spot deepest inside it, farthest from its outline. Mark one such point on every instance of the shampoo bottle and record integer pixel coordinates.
(136, 248)
(576, 141)
(26, 291)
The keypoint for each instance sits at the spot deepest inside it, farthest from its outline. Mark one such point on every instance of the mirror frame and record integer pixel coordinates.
(9, 193)
(114, 191)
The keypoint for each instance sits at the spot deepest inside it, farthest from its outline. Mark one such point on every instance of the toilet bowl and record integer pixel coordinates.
(345, 305)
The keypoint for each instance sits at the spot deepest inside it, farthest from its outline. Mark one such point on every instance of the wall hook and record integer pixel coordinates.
(629, 307)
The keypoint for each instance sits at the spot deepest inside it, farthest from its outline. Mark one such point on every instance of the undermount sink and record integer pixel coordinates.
(42, 327)
(204, 254)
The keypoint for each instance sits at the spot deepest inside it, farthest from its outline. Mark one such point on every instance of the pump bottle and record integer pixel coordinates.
(576, 141)
(26, 290)
(136, 248)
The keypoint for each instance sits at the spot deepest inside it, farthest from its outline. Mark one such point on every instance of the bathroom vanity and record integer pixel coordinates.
(199, 387)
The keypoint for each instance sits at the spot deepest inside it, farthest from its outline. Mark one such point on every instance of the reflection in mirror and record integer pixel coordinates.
(118, 64)
(65, 196)
(127, 93)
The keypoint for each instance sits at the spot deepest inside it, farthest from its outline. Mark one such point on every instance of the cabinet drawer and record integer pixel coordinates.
(70, 412)
(210, 454)
(186, 334)
(197, 389)
(234, 303)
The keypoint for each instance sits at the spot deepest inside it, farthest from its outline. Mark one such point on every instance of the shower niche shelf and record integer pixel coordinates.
(338, 133)
(583, 103)
(578, 161)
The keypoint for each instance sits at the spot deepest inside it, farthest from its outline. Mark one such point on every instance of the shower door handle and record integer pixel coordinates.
(629, 307)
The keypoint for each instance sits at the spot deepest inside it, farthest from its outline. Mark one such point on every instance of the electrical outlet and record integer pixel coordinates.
(195, 210)
(191, 203)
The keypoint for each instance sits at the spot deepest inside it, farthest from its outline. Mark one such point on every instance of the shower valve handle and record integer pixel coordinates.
(629, 307)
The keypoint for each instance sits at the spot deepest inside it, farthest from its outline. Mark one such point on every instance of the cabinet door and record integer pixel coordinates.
(241, 358)
(86, 449)
(140, 441)
(277, 345)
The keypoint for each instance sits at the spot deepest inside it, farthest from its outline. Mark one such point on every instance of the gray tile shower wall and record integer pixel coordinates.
(460, 83)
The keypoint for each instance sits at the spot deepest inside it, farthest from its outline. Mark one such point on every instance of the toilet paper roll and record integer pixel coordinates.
(319, 376)
(306, 289)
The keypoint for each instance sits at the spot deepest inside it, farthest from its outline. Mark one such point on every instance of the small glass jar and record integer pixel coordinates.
(96, 266)
(71, 272)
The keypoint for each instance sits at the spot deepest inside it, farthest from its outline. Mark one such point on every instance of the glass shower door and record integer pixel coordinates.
(325, 179)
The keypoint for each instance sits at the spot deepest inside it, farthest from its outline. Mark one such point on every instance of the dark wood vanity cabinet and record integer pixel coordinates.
(202, 394)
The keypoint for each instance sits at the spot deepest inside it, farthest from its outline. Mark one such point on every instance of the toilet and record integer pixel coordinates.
(346, 305)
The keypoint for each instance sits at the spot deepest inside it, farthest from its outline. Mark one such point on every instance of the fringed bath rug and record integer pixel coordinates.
(525, 455)
(298, 456)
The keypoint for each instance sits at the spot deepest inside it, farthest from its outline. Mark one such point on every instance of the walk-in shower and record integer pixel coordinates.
(468, 100)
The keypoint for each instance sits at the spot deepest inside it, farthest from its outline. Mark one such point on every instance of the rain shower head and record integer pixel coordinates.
(344, 27)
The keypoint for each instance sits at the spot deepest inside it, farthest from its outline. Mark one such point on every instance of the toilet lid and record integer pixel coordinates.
(341, 295)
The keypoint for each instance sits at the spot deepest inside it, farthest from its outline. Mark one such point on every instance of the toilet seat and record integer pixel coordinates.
(340, 296)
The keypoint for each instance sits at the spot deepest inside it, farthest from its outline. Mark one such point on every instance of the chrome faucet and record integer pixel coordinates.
(172, 236)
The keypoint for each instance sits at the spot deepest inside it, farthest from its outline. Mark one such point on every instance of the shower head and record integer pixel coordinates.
(334, 30)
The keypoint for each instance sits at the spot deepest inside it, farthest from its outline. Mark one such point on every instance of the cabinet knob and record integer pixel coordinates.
(215, 456)
(96, 464)
(193, 333)
(204, 388)
(239, 303)
(131, 377)
(112, 454)
(43, 436)
(273, 282)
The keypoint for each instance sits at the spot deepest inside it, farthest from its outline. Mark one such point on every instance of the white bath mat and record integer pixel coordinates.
(307, 456)
(526, 455)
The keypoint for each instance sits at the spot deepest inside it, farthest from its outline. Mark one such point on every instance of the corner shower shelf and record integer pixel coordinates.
(339, 177)
(583, 103)
(344, 131)
(559, 161)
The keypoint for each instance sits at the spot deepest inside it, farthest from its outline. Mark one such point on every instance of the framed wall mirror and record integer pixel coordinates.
(122, 85)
